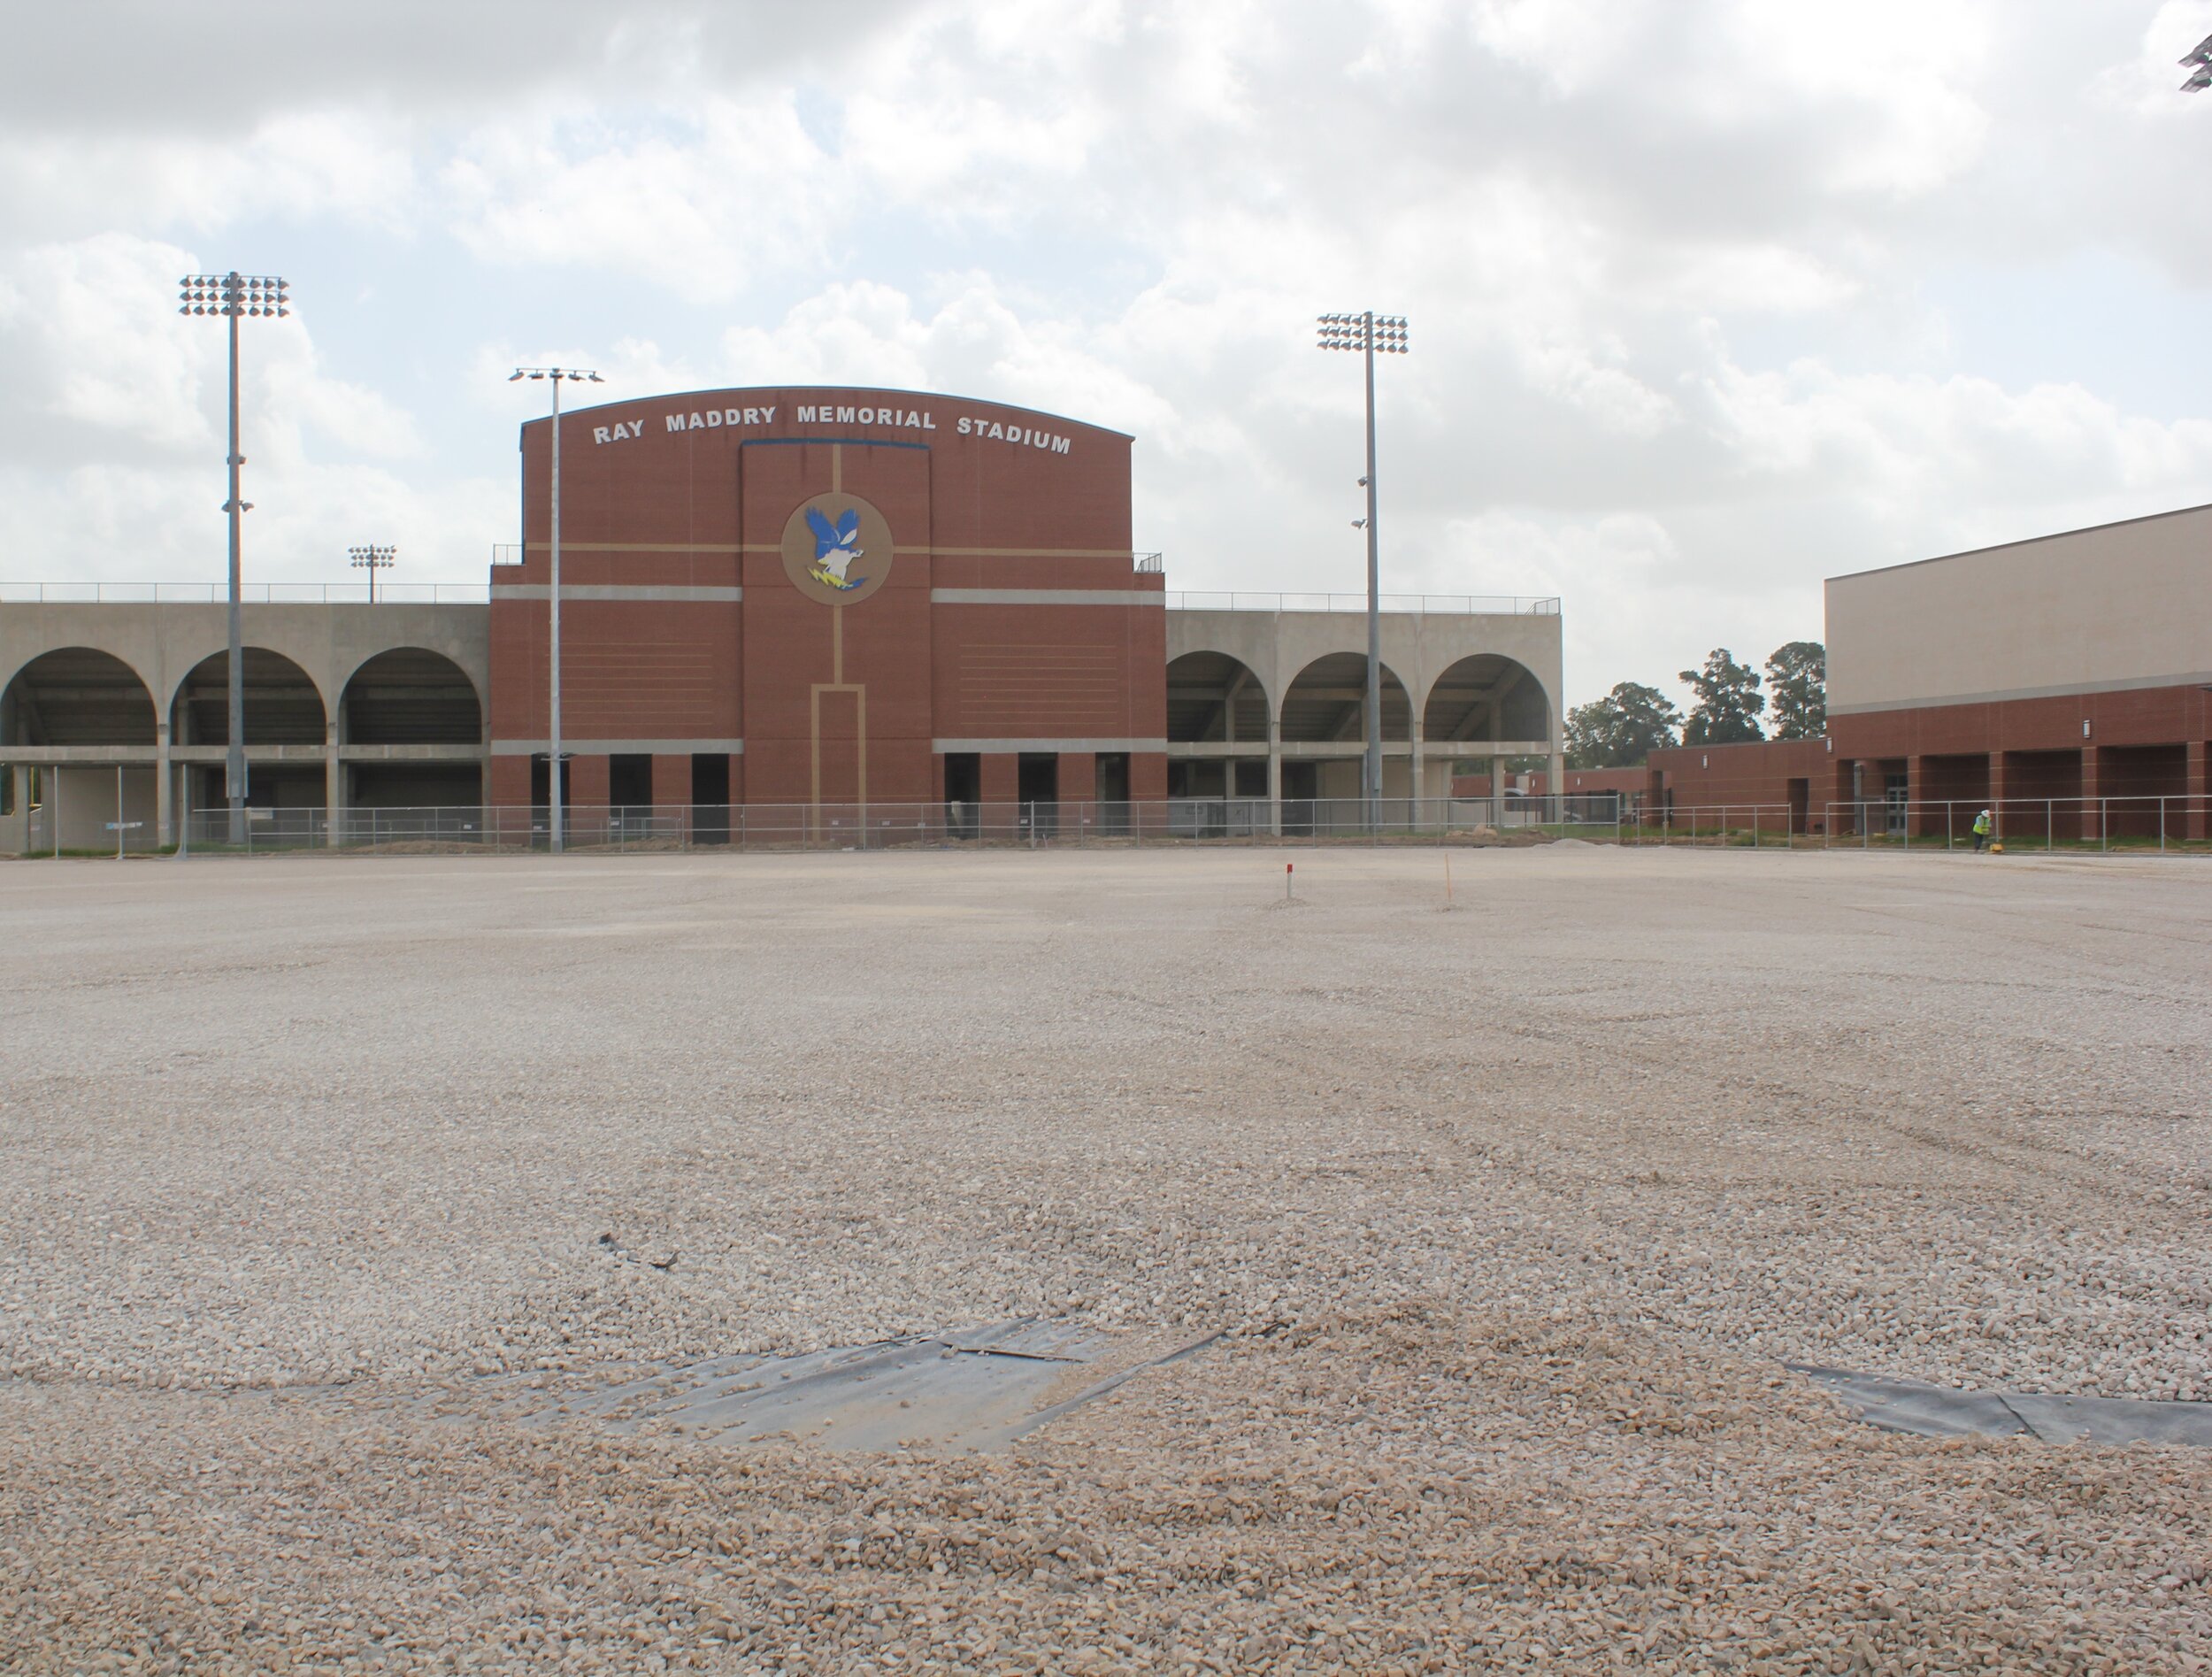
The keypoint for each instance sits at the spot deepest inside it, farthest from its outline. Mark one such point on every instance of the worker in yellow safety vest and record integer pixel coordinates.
(1981, 825)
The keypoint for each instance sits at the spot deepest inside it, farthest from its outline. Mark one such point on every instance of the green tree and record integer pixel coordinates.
(1620, 730)
(1797, 675)
(1729, 702)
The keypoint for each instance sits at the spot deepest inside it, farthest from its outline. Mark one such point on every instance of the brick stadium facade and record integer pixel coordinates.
(997, 625)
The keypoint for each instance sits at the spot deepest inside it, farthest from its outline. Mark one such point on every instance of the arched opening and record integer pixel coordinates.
(1216, 704)
(1324, 732)
(282, 708)
(1483, 700)
(79, 696)
(1212, 696)
(1327, 703)
(283, 705)
(76, 696)
(410, 698)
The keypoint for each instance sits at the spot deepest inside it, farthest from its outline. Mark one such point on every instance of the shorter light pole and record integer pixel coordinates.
(372, 559)
(553, 598)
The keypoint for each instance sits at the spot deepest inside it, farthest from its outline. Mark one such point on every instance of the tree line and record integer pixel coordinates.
(1632, 721)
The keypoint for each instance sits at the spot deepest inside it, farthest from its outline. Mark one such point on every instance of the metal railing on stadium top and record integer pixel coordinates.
(251, 593)
(1433, 605)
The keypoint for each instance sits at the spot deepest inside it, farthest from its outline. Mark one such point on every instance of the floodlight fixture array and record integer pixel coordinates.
(372, 559)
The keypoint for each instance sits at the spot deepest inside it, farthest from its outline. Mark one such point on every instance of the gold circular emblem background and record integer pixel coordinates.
(799, 562)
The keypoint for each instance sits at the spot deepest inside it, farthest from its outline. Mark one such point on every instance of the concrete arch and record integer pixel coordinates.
(284, 704)
(1215, 697)
(410, 696)
(1325, 703)
(1484, 698)
(77, 695)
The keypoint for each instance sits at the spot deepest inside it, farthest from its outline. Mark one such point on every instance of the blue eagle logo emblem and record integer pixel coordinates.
(835, 548)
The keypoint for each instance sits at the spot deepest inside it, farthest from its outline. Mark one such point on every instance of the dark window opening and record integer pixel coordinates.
(1111, 787)
(630, 780)
(1036, 787)
(709, 799)
(964, 791)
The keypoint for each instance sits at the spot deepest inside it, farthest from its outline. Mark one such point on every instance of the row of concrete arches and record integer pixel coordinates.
(83, 696)
(1214, 698)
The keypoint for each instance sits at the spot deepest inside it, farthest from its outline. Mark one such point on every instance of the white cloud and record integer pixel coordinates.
(1666, 262)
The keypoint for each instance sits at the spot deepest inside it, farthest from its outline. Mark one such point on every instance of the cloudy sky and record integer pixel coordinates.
(1710, 298)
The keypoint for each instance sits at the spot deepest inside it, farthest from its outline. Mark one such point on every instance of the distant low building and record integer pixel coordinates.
(2063, 682)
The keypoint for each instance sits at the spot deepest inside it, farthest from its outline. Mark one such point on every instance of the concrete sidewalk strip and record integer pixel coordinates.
(1947, 1411)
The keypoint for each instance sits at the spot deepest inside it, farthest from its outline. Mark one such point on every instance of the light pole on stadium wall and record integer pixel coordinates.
(372, 559)
(1370, 334)
(555, 376)
(232, 295)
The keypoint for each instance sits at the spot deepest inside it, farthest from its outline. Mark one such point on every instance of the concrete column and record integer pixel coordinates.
(1275, 773)
(15, 832)
(163, 814)
(1556, 782)
(2092, 789)
(1414, 787)
(2195, 821)
(334, 786)
(1497, 792)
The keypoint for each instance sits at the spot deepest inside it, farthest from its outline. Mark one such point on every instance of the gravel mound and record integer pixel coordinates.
(1511, 1214)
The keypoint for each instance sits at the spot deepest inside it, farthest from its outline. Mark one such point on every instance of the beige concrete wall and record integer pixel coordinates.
(163, 643)
(2121, 606)
(1416, 647)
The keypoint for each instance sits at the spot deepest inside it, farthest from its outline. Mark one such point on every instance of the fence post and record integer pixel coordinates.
(2047, 825)
(2104, 824)
(2161, 823)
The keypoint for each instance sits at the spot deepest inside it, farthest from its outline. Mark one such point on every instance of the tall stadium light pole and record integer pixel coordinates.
(555, 375)
(372, 559)
(1370, 334)
(232, 295)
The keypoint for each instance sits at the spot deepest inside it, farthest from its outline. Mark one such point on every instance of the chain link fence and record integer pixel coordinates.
(2129, 822)
(856, 826)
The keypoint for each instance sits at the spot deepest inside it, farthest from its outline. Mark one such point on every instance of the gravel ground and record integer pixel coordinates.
(1514, 1210)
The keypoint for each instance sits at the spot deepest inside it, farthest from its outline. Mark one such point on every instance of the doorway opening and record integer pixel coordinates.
(964, 794)
(709, 799)
(1109, 782)
(1036, 787)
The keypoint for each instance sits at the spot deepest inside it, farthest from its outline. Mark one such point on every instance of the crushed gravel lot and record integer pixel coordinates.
(1513, 1210)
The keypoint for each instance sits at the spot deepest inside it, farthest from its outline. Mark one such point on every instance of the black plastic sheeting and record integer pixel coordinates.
(1946, 1411)
(978, 1389)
